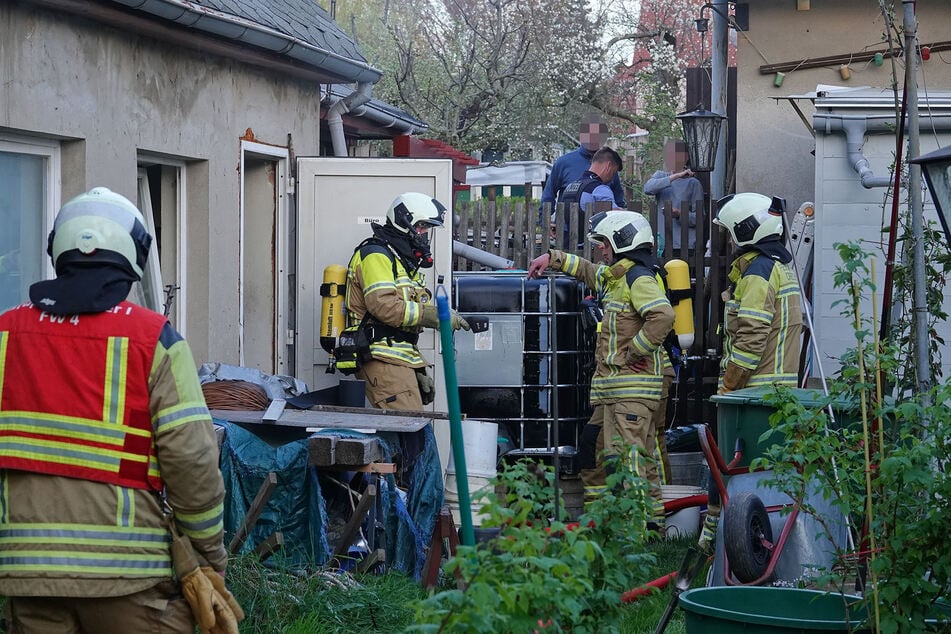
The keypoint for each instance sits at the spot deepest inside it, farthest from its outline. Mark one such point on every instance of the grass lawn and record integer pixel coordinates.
(279, 601)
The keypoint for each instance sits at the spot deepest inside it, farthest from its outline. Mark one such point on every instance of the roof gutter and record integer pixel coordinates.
(386, 120)
(231, 27)
(371, 110)
(855, 127)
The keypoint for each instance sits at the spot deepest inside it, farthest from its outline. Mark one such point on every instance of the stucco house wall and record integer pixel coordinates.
(778, 153)
(110, 95)
(109, 98)
(774, 147)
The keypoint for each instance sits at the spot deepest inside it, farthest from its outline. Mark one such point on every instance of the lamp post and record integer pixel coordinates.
(937, 168)
(702, 135)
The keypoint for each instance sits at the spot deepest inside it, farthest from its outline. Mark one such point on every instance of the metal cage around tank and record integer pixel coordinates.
(533, 365)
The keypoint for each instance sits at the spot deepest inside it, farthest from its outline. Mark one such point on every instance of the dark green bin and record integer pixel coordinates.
(766, 610)
(744, 414)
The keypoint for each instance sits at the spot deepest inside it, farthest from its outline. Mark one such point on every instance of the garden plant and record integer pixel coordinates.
(877, 448)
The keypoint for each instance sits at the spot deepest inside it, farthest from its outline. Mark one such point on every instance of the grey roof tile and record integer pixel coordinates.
(302, 19)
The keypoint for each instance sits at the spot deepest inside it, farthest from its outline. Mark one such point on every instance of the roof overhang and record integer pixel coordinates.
(189, 25)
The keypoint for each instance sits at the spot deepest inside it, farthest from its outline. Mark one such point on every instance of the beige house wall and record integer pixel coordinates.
(109, 95)
(773, 145)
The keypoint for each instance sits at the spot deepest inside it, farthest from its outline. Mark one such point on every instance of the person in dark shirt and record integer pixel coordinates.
(567, 168)
(592, 187)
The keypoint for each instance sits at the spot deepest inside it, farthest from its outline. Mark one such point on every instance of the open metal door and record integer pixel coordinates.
(337, 200)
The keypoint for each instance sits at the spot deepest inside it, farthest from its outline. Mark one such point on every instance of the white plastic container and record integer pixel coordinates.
(477, 486)
(685, 522)
(480, 441)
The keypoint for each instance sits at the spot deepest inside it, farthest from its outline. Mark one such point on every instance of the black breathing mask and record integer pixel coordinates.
(421, 250)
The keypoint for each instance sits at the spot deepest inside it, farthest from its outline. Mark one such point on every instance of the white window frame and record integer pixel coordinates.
(181, 237)
(281, 157)
(50, 149)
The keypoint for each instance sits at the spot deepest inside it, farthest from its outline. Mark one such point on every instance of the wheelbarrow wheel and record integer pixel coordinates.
(745, 526)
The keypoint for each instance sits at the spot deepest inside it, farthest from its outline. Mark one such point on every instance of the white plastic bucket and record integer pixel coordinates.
(481, 442)
(685, 522)
(477, 485)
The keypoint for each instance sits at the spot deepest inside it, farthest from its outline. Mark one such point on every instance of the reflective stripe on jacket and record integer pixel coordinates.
(393, 299)
(90, 418)
(637, 318)
(78, 537)
(763, 320)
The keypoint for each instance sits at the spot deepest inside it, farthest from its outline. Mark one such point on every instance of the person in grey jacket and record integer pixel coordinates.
(681, 189)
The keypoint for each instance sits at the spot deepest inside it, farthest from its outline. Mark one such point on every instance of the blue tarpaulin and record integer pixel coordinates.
(298, 508)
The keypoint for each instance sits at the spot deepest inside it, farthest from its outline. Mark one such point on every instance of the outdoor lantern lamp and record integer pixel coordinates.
(937, 168)
(702, 134)
(739, 20)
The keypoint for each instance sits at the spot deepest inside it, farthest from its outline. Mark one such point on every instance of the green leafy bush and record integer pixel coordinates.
(543, 574)
(886, 471)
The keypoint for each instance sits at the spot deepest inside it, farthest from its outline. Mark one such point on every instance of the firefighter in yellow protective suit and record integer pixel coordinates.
(104, 433)
(386, 292)
(763, 311)
(630, 358)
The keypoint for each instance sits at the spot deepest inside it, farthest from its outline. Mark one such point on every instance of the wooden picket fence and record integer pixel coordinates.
(519, 232)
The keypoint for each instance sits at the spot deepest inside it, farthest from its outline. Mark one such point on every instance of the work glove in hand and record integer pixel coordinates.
(218, 582)
(427, 387)
(430, 318)
(211, 609)
(735, 378)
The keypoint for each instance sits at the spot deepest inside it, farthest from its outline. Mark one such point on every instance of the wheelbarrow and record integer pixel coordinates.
(745, 552)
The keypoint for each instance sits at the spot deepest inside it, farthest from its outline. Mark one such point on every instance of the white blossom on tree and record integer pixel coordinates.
(518, 74)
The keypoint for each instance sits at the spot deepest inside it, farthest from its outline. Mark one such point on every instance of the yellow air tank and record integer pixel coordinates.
(331, 305)
(678, 282)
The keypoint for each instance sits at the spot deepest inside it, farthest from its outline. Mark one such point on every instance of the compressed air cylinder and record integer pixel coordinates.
(331, 305)
(678, 280)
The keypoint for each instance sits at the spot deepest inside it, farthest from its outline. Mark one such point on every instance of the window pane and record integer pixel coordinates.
(22, 243)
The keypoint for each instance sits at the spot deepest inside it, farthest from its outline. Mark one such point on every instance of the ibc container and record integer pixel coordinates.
(535, 361)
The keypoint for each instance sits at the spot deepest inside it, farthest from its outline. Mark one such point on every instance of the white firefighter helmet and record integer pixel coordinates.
(413, 208)
(100, 225)
(624, 230)
(749, 217)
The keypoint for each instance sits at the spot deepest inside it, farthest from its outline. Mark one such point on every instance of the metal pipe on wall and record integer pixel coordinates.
(920, 297)
(718, 90)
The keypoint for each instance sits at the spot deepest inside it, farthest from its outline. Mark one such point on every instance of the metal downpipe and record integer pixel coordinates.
(339, 108)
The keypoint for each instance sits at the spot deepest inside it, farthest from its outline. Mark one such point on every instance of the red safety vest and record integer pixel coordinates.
(74, 394)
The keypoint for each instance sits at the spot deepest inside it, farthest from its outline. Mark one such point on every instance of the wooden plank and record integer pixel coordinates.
(353, 524)
(329, 450)
(444, 530)
(329, 420)
(266, 548)
(373, 411)
(273, 412)
(505, 229)
(378, 556)
(373, 467)
(257, 506)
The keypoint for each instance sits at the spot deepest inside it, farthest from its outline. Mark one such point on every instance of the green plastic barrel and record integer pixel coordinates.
(764, 610)
(744, 414)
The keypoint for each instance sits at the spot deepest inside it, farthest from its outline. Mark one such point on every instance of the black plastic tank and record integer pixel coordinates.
(535, 361)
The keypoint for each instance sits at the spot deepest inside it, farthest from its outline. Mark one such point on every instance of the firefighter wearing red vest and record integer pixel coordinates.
(104, 432)
(386, 291)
